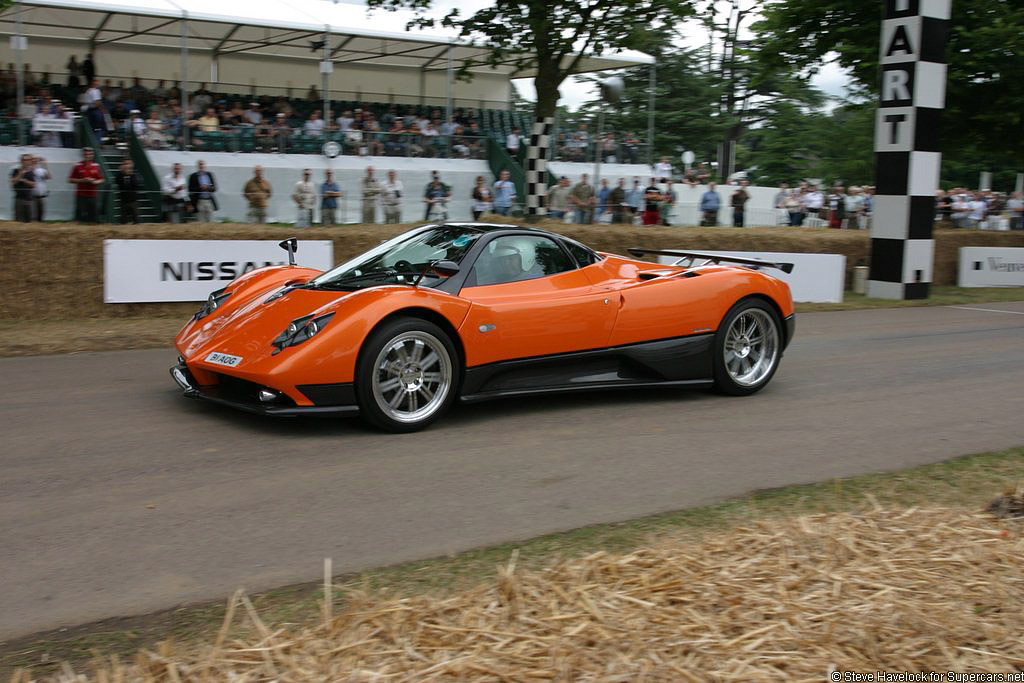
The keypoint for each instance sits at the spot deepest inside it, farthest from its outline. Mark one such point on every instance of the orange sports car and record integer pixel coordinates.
(469, 312)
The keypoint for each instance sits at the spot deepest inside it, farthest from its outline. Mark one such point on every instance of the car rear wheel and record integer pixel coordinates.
(748, 347)
(407, 375)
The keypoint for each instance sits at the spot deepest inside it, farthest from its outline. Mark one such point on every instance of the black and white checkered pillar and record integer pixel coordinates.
(537, 166)
(907, 147)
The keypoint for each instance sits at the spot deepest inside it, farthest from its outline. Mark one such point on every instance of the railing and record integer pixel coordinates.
(612, 151)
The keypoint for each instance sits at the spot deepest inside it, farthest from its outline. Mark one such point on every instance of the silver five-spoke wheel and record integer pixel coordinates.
(412, 376)
(751, 347)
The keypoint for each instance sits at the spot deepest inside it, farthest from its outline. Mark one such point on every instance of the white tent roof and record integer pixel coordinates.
(277, 28)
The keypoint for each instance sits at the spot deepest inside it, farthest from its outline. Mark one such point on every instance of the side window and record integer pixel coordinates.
(583, 256)
(519, 257)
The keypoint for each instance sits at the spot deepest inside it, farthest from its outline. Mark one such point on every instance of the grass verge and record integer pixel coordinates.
(34, 338)
(963, 482)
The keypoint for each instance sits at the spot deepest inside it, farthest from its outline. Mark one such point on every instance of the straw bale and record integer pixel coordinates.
(789, 599)
(55, 271)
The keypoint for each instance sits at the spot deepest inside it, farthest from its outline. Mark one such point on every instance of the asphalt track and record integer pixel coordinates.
(118, 496)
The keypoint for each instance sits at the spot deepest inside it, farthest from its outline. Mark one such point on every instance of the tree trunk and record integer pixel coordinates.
(547, 83)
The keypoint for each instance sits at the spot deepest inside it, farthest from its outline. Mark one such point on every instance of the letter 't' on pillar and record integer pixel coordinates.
(908, 154)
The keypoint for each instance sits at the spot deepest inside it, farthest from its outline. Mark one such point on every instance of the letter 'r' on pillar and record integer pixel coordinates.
(908, 153)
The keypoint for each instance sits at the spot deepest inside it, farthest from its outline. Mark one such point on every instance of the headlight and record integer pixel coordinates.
(300, 330)
(213, 302)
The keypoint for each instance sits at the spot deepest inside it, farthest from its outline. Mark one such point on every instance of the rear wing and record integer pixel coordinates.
(712, 258)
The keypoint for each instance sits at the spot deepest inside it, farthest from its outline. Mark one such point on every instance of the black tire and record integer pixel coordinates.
(730, 360)
(382, 376)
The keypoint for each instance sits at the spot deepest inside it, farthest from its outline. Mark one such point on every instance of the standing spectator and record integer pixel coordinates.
(582, 196)
(86, 176)
(41, 175)
(812, 202)
(252, 115)
(504, 194)
(663, 171)
(304, 196)
(201, 98)
(330, 191)
(668, 201)
(89, 69)
(617, 202)
(175, 194)
(779, 203)
(160, 91)
(794, 208)
(371, 190)
(558, 199)
(635, 199)
(93, 95)
(1015, 205)
(314, 127)
(739, 202)
(482, 198)
(391, 198)
(961, 211)
(23, 181)
(513, 142)
(436, 197)
(345, 121)
(854, 208)
(74, 74)
(201, 188)
(129, 184)
(257, 192)
(209, 122)
(602, 199)
(943, 206)
(710, 203)
(836, 207)
(652, 200)
(978, 210)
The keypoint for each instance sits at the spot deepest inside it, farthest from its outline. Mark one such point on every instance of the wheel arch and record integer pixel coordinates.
(775, 307)
(430, 316)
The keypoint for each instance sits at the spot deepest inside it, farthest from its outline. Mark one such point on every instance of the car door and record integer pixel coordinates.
(530, 299)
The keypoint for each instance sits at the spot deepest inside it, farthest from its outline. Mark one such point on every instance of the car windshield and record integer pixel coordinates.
(401, 259)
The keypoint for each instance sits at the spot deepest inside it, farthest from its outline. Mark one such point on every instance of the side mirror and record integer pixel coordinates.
(446, 268)
(291, 245)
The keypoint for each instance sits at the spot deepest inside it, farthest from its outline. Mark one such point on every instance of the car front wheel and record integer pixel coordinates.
(407, 375)
(748, 347)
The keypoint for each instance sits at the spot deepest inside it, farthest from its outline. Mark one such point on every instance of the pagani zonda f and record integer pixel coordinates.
(468, 312)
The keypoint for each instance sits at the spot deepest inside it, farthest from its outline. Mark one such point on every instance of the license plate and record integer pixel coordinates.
(223, 359)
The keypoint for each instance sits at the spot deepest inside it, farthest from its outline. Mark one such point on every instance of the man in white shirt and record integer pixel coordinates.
(813, 201)
(977, 209)
(345, 121)
(391, 198)
(663, 171)
(304, 197)
(854, 209)
(42, 174)
(93, 94)
(314, 127)
(513, 142)
(175, 193)
(1015, 205)
(449, 127)
(252, 115)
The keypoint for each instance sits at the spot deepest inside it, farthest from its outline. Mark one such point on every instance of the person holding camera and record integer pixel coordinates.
(175, 194)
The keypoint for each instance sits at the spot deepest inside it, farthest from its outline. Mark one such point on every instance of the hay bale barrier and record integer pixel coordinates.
(55, 271)
(782, 599)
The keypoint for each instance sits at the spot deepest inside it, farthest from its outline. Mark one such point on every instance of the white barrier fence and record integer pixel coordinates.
(816, 278)
(991, 267)
(146, 271)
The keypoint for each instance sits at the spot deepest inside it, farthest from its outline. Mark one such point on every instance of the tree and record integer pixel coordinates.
(985, 85)
(550, 36)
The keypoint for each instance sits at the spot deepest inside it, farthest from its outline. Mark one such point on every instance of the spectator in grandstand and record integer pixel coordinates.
(209, 122)
(739, 201)
(330, 192)
(635, 199)
(154, 137)
(74, 73)
(710, 203)
(41, 175)
(512, 143)
(345, 121)
(391, 198)
(630, 148)
(161, 91)
(609, 148)
(174, 189)
(257, 192)
(668, 202)
(23, 181)
(582, 199)
(812, 201)
(202, 188)
(314, 126)
(86, 176)
(201, 98)
(504, 194)
(371, 192)
(252, 115)
(433, 145)
(280, 132)
(129, 185)
(436, 197)
(304, 196)
(93, 94)
(1015, 207)
(836, 207)
(558, 199)
(580, 143)
(138, 92)
(313, 95)
(617, 202)
(652, 203)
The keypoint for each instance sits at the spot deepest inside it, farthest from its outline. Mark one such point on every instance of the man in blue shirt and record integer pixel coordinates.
(710, 203)
(329, 193)
(504, 195)
(635, 198)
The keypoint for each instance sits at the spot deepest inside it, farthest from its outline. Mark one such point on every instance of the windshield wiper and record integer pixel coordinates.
(357, 278)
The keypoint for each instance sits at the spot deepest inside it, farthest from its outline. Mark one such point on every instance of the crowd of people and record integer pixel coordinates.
(964, 208)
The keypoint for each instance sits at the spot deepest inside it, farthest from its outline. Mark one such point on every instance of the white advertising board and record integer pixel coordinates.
(140, 271)
(816, 278)
(42, 124)
(991, 267)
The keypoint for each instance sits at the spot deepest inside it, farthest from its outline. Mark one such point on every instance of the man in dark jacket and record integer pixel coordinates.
(617, 202)
(201, 189)
(129, 185)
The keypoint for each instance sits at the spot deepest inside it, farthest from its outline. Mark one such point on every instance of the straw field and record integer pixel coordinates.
(55, 271)
(930, 589)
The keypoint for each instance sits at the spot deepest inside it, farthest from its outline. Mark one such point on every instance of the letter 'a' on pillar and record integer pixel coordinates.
(908, 154)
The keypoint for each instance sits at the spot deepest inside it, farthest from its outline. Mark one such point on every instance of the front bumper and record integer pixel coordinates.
(192, 389)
